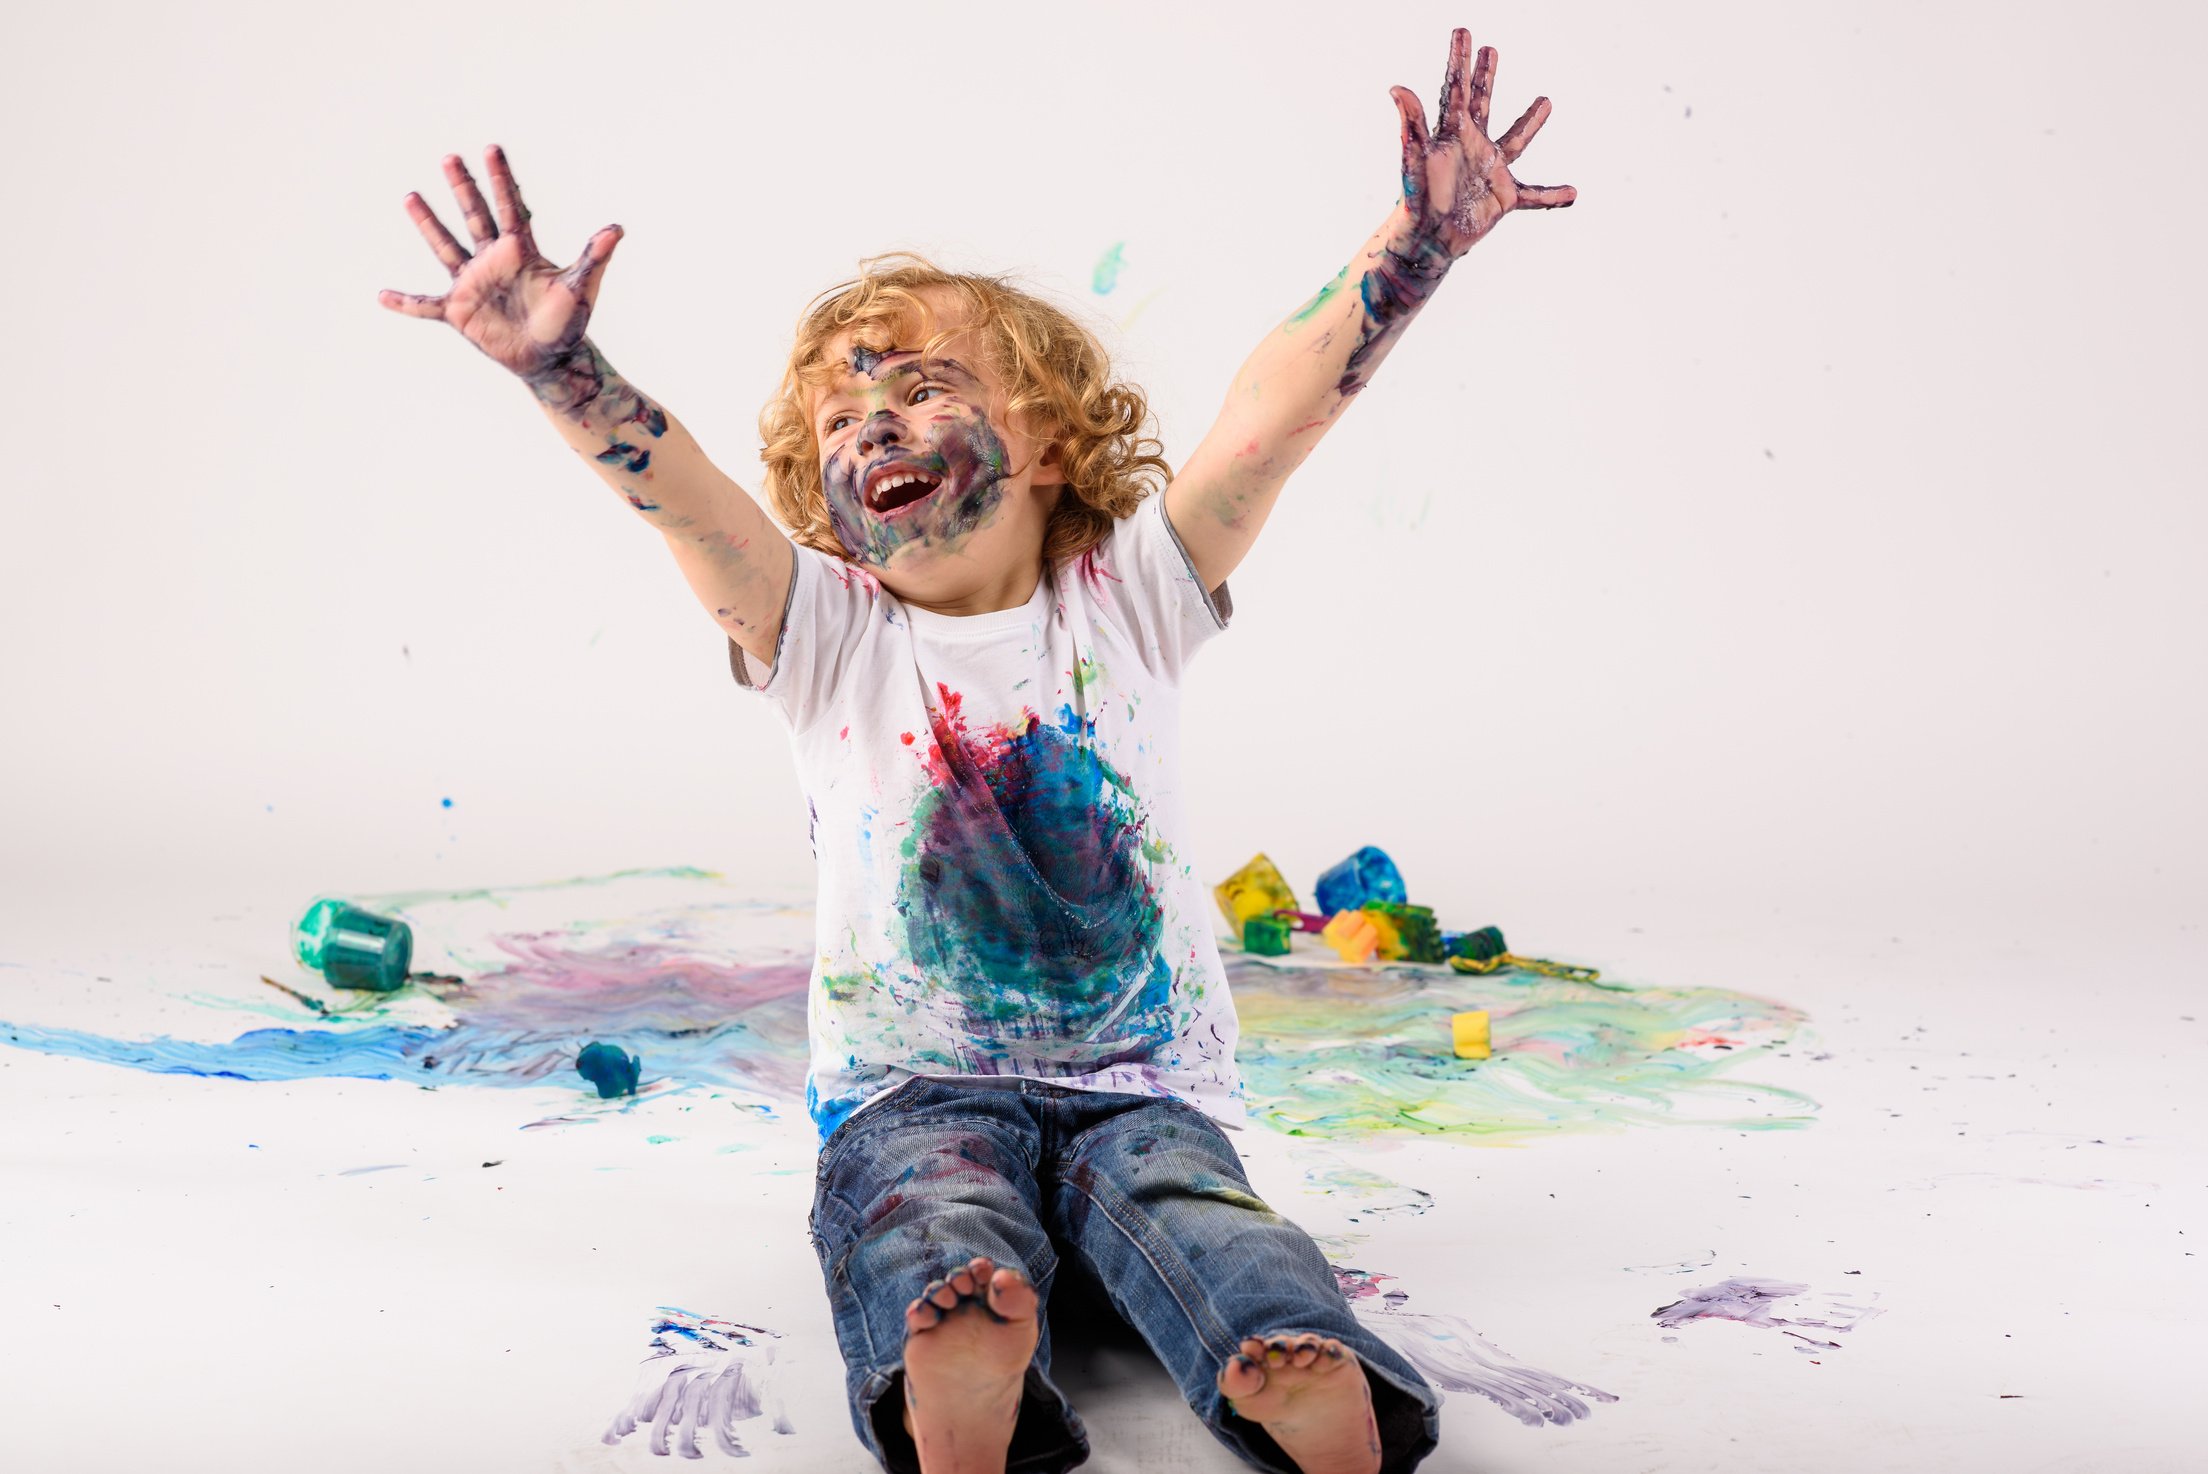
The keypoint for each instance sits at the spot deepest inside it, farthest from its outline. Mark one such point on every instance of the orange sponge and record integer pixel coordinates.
(1352, 934)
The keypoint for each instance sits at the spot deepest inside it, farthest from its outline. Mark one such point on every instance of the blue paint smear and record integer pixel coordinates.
(378, 1053)
(699, 1020)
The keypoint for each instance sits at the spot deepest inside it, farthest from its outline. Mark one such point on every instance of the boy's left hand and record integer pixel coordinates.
(1456, 182)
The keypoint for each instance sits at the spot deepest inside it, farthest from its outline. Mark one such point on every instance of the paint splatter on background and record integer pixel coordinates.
(703, 1374)
(710, 990)
(1106, 275)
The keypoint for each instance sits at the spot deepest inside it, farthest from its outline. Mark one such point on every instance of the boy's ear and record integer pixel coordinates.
(1050, 466)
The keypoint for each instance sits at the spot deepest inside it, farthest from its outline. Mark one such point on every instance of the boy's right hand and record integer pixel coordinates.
(523, 312)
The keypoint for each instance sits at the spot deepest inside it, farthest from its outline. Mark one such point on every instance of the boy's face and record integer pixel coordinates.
(929, 482)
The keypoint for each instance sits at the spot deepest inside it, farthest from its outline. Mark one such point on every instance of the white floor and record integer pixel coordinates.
(1995, 1215)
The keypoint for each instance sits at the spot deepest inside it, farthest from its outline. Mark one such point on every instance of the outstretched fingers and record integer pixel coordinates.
(411, 304)
(1415, 140)
(1482, 85)
(513, 215)
(1545, 196)
(481, 227)
(1514, 141)
(1453, 83)
(441, 244)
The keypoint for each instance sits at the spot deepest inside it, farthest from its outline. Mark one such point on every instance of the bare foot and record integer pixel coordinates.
(968, 1340)
(1310, 1393)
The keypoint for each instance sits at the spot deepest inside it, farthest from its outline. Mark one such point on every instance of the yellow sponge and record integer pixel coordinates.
(1470, 1031)
(1352, 934)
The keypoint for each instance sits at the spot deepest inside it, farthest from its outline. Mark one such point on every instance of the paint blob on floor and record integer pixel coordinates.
(1343, 1052)
(1755, 1302)
(695, 981)
(1370, 1194)
(1454, 1357)
(702, 1376)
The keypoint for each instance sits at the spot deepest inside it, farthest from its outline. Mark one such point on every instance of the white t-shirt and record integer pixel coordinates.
(1005, 885)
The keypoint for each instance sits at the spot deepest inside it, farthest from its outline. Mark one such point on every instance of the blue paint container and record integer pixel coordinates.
(1365, 877)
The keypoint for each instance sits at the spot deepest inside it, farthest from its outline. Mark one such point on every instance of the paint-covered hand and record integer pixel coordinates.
(523, 312)
(1456, 182)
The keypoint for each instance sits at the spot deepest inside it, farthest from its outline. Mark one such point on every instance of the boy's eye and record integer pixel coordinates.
(835, 424)
(925, 389)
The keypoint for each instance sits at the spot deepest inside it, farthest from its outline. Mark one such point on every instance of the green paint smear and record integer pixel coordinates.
(1344, 1052)
(1106, 275)
(1326, 295)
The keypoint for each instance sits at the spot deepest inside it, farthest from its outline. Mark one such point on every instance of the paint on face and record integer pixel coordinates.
(1752, 1302)
(946, 437)
(1026, 894)
(701, 1374)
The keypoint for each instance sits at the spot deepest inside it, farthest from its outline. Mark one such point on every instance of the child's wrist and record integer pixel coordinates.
(572, 382)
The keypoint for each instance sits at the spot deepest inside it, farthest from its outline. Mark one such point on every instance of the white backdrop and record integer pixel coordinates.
(1779, 571)
(1803, 526)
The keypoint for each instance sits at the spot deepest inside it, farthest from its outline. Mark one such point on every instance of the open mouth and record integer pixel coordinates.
(891, 487)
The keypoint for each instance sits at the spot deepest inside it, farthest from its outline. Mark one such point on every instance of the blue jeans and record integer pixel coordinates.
(1143, 1194)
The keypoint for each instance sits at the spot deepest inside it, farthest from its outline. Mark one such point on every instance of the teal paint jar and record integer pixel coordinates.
(353, 948)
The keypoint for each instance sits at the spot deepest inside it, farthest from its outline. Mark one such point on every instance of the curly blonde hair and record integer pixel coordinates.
(1050, 365)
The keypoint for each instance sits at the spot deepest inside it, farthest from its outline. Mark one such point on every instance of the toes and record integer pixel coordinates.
(940, 1295)
(961, 1280)
(922, 1316)
(1010, 1295)
(1298, 1351)
(1241, 1376)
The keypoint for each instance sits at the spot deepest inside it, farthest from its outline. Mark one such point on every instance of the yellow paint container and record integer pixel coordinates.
(1469, 1031)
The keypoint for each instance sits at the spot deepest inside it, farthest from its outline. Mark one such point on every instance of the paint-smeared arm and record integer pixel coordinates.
(730, 552)
(1456, 185)
(529, 317)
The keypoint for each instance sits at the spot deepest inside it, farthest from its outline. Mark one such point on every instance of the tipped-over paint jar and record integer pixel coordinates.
(353, 948)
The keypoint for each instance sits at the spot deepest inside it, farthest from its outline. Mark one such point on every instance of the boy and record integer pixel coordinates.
(1023, 1046)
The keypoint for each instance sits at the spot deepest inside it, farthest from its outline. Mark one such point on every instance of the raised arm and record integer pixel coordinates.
(1456, 185)
(529, 317)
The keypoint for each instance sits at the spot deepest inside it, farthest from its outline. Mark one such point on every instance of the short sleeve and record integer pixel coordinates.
(1145, 580)
(827, 610)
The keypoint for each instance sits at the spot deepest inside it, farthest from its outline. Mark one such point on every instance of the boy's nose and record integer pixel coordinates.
(882, 429)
